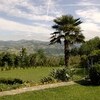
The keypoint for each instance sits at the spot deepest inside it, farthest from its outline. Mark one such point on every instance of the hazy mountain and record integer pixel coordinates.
(31, 46)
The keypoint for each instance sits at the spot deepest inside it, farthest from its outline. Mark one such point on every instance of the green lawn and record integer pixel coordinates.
(74, 92)
(30, 74)
(34, 75)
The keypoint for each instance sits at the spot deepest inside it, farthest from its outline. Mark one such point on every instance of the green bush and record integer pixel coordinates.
(97, 66)
(47, 80)
(60, 74)
(83, 62)
(11, 81)
(74, 61)
(56, 75)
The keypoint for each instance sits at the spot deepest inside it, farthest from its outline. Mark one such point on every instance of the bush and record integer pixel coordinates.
(74, 61)
(56, 75)
(11, 81)
(97, 66)
(60, 74)
(47, 80)
(94, 76)
(83, 62)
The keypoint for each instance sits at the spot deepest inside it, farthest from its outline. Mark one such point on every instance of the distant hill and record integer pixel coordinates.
(31, 46)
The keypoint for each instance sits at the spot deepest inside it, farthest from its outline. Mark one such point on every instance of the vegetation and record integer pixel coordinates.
(87, 47)
(56, 75)
(26, 67)
(74, 92)
(15, 78)
(30, 74)
(67, 29)
(94, 76)
(23, 59)
(11, 81)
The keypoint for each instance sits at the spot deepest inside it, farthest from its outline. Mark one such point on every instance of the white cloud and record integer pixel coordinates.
(34, 12)
(29, 10)
(91, 19)
(90, 30)
(91, 14)
(25, 31)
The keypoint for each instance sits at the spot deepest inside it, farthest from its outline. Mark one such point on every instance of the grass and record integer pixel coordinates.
(30, 74)
(33, 75)
(73, 92)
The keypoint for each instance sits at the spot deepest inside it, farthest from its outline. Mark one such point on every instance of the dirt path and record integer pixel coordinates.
(40, 87)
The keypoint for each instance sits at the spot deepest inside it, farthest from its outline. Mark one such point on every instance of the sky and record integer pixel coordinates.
(32, 19)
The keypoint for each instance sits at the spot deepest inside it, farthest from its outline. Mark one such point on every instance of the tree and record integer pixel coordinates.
(67, 30)
(7, 59)
(40, 57)
(89, 46)
(23, 57)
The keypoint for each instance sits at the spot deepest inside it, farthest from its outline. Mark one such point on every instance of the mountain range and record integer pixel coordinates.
(31, 46)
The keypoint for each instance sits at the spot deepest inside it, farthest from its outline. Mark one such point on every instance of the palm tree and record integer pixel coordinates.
(67, 30)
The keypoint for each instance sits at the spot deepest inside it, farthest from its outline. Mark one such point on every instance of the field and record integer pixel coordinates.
(74, 92)
(28, 74)
(33, 75)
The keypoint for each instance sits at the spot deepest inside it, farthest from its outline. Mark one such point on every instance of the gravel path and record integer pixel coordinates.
(39, 87)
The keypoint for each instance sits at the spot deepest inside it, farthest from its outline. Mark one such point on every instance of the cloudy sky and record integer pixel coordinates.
(32, 19)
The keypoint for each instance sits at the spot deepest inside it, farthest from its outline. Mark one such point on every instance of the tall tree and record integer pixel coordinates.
(67, 30)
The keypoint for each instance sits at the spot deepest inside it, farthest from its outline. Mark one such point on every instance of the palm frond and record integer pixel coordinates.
(52, 37)
(52, 41)
(80, 38)
(58, 41)
(55, 26)
(54, 33)
(77, 22)
(67, 27)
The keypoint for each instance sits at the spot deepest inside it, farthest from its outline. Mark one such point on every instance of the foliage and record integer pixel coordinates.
(83, 62)
(11, 81)
(75, 51)
(94, 76)
(97, 67)
(23, 59)
(74, 61)
(87, 47)
(60, 74)
(67, 29)
(47, 80)
(94, 57)
(56, 75)
(7, 59)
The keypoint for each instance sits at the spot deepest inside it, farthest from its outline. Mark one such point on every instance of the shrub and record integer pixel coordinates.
(56, 75)
(19, 81)
(74, 61)
(83, 62)
(60, 74)
(97, 66)
(94, 76)
(47, 80)
(11, 81)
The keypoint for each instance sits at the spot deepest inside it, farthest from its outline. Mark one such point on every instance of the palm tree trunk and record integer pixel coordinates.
(66, 52)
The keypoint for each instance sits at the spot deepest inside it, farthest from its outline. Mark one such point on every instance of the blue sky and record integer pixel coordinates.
(32, 19)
